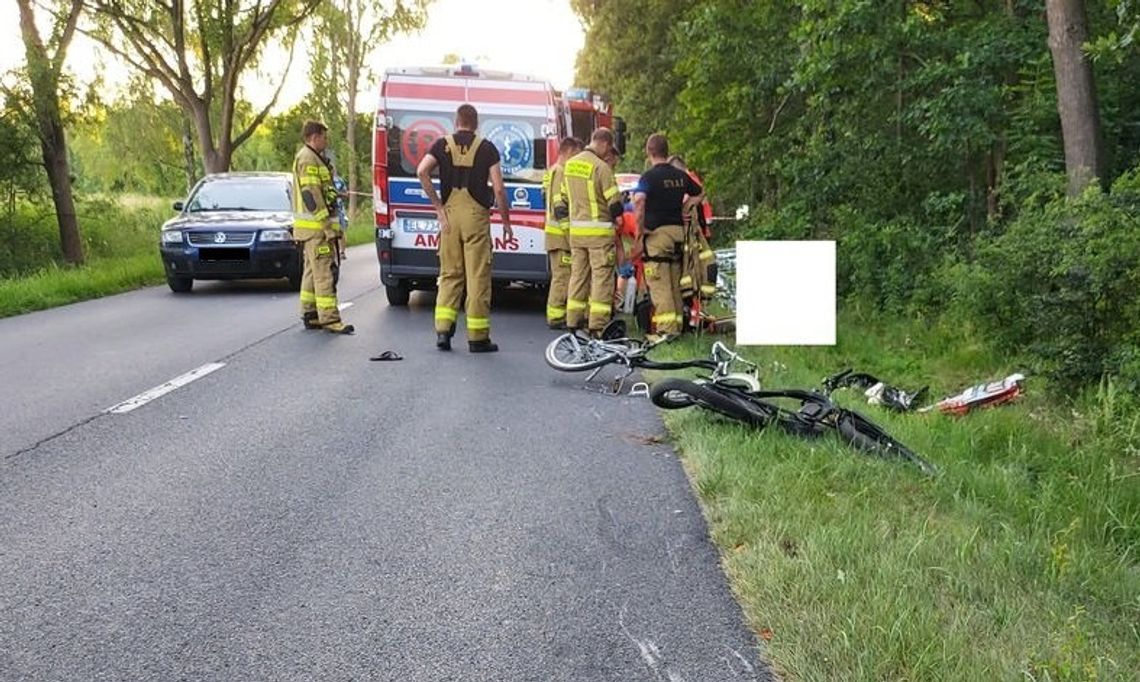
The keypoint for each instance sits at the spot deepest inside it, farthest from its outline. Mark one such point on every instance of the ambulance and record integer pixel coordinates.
(524, 117)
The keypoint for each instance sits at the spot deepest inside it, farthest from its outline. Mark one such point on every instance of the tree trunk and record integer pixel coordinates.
(54, 145)
(188, 154)
(1076, 94)
(994, 163)
(213, 160)
(44, 78)
(350, 128)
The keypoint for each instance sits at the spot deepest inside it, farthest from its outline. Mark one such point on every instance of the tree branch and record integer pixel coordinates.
(245, 135)
(147, 69)
(64, 39)
(776, 114)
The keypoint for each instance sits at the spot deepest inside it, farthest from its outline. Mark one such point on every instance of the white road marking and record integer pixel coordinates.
(344, 306)
(159, 391)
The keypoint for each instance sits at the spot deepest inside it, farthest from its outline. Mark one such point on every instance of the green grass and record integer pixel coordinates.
(1018, 562)
(362, 230)
(121, 240)
(55, 286)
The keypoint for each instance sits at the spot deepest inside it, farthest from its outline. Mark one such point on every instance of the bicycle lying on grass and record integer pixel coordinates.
(578, 352)
(812, 415)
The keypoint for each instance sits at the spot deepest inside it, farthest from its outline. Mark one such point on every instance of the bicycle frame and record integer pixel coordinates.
(632, 354)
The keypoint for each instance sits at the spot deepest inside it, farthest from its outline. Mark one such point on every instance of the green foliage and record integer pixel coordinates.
(21, 164)
(1018, 562)
(132, 145)
(923, 136)
(629, 55)
(29, 238)
(1060, 282)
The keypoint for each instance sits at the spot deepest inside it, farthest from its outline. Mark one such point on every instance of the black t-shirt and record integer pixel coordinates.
(485, 157)
(665, 187)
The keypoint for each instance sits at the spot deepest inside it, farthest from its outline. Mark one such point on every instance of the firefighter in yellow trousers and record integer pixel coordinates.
(557, 234)
(465, 162)
(591, 202)
(317, 232)
(663, 194)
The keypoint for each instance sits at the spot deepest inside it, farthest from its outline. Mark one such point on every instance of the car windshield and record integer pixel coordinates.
(241, 195)
(521, 146)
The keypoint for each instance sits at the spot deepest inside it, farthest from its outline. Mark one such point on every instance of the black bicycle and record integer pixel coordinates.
(812, 415)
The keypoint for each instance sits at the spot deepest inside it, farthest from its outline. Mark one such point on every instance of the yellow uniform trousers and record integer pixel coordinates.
(592, 277)
(465, 266)
(663, 251)
(318, 292)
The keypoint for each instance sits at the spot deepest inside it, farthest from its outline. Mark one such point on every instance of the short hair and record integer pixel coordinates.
(311, 128)
(603, 135)
(657, 145)
(570, 144)
(467, 117)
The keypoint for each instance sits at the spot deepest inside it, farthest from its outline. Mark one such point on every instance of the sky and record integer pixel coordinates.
(537, 37)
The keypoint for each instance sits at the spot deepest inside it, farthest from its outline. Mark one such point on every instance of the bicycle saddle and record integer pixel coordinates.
(616, 329)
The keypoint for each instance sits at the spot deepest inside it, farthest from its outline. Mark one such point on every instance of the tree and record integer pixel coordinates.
(1076, 94)
(629, 54)
(348, 30)
(44, 69)
(199, 49)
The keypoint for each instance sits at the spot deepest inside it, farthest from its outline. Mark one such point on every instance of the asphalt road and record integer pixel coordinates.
(302, 513)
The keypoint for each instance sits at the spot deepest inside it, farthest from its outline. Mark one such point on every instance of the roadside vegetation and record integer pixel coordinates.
(1017, 562)
(924, 138)
(121, 243)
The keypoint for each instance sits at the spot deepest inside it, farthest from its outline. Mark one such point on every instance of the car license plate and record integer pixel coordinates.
(216, 254)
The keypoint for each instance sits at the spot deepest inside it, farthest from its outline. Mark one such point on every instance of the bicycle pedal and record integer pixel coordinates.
(639, 390)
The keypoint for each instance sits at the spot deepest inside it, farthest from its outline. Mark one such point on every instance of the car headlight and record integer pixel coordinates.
(276, 236)
(172, 236)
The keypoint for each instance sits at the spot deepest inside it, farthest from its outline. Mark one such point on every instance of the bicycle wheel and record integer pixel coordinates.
(865, 435)
(573, 353)
(673, 393)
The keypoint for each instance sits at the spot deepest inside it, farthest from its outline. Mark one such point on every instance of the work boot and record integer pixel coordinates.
(443, 341)
(310, 321)
(556, 325)
(339, 328)
(484, 346)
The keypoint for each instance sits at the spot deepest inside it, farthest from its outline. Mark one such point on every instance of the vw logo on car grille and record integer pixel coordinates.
(220, 238)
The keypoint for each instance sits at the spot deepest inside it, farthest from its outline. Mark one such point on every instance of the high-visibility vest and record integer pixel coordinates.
(589, 187)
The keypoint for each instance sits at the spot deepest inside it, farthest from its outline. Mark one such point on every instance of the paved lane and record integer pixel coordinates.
(447, 517)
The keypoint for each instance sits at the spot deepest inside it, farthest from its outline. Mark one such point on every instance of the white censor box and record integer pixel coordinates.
(785, 293)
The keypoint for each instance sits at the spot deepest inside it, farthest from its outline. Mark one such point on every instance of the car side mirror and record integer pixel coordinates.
(619, 134)
(178, 206)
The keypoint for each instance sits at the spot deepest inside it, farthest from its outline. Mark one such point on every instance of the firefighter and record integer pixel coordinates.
(591, 203)
(558, 236)
(465, 161)
(315, 229)
(660, 202)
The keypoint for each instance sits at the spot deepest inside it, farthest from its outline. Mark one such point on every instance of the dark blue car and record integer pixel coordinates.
(233, 226)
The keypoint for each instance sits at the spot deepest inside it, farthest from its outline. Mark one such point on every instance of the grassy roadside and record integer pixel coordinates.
(138, 264)
(56, 286)
(1019, 562)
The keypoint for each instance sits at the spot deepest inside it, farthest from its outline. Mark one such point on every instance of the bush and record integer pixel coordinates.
(29, 235)
(1061, 283)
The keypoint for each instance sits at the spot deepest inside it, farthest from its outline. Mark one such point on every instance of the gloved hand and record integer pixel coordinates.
(626, 269)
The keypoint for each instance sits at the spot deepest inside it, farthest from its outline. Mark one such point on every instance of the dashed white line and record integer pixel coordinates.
(159, 391)
(345, 306)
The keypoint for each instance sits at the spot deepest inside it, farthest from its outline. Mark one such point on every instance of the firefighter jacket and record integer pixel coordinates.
(312, 183)
(557, 230)
(590, 196)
